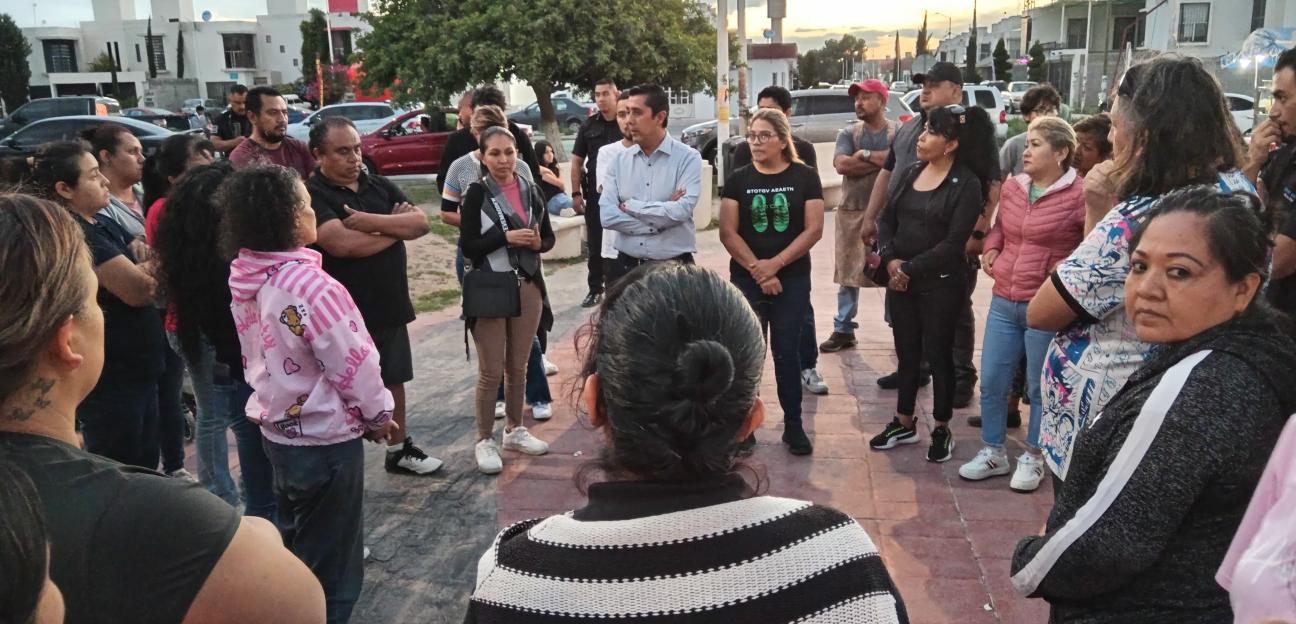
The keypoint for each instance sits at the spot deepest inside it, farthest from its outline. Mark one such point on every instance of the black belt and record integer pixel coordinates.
(631, 261)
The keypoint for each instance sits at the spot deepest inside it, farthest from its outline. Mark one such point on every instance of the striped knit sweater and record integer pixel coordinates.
(652, 552)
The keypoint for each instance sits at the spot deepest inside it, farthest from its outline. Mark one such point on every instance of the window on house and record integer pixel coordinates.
(267, 38)
(1194, 22)
(158, 50)
(139, 58)
(239, 50)
(1076, 32)
(1257, 14)
(1121, 31)
(60, 55)
(679, 96)
(296, 63)
(985, 50)
(281, 50)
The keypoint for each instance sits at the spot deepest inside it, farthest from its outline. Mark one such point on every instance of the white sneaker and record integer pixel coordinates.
(1030, 469)
(366, 553)
(989, 462)
(551, 369)
(182, 474)
(813, 382)
(499, 410)
(542, 411)
(519, 439)
(488, 457)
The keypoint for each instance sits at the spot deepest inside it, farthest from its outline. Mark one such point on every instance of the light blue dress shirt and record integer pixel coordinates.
(651, 227)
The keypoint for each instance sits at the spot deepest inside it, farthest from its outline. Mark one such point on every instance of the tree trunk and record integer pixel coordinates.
(549, 120)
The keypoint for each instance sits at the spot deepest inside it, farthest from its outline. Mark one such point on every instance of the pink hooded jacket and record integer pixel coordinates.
(1032, 238)
(306, 351)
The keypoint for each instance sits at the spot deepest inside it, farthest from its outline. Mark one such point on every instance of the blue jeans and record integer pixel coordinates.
(321, 502)
(784, 315)
(537, 384)
(171, 413)
(558, 202)
(1006, 337)
(221, 400)
(119, 420)
(847, 308)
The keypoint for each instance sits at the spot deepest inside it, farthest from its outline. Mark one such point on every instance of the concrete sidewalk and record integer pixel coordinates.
(947, 542)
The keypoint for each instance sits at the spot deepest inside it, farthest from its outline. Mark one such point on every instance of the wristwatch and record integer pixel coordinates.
(978, 235)
(867, 154)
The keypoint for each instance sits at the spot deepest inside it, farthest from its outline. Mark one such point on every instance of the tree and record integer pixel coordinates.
(102, 63)
(14, 71)
(337, 82)
(179, 53)
(1037, 68)
(314, 32)
(924, 39)
(148, 49)
(970, 73)
(1002, 64)
(435, 48)
(824, 64)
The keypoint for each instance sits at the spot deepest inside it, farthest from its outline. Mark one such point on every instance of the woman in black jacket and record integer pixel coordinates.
(921, 236)
(1160, 478)
(513, 244)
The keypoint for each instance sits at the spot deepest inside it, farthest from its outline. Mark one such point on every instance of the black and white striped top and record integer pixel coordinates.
(653, 552)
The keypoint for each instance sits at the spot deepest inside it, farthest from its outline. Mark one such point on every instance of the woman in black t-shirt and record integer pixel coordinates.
(921, 237)
(771, 214)
(119, 418)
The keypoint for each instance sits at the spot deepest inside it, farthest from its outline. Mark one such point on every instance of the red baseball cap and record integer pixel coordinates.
(872, 85)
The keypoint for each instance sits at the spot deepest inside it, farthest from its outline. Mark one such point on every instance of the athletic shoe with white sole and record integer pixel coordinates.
(942, 445)
(542, 411)
(409, 459)
(989, 462)
(813, 382)
(894, 435)
(551, 369)
(521, 440)
(488, 457)
(1030, 470)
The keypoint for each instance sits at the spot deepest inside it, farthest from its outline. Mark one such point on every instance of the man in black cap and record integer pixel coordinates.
(942, 85)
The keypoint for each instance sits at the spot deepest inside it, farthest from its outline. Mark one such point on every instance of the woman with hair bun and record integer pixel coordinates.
(675, 530)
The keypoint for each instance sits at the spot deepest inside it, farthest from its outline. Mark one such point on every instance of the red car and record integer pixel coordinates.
(410, 144)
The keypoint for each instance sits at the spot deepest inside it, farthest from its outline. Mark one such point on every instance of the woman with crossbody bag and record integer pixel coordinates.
(504, 229)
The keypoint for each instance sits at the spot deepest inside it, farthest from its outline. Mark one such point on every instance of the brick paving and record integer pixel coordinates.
(947, 542)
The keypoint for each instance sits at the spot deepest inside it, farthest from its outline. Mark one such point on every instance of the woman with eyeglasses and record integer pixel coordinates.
(771, 214)
(921, 236)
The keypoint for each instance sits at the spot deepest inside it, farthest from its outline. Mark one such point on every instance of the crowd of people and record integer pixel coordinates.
(1142, 297)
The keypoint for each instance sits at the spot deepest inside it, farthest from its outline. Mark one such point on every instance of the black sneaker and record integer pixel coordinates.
(892, 381)
(592, 299)
(746, 447)
(1014, 420)
(838, 341)
(942, 445)
(894, 434)
(798, 443)
(410, 459)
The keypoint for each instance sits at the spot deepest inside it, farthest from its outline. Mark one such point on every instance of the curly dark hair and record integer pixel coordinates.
(676, 387)
(193, 275)
(261, 205)
(976, 139)
(170, 160)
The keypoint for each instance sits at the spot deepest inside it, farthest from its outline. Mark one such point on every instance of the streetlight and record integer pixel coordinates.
(949, 23)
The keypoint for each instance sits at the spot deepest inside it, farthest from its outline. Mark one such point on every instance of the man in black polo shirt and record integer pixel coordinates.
(362, 223)
(595, 132)
(233, 126)
(461, 141)
(1272, 165)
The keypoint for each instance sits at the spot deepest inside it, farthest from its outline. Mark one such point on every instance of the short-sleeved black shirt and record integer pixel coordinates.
(133, 337)
(771, 212)
(595, 132)
(230, 125)
(126, 544)
(379, 283)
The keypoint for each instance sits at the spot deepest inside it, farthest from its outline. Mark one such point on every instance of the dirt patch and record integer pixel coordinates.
(432, 281)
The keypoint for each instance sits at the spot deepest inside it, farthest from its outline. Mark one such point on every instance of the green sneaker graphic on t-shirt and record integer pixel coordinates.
(760, 217)
(782, 215)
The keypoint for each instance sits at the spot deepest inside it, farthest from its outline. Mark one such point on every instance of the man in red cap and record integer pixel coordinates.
(862, 149)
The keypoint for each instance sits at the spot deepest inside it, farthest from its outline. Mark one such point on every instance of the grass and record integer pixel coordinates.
(421, 193)
(437, 300)
(449, 232)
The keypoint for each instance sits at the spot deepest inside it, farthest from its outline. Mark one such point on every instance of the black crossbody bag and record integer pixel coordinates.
(493, 294)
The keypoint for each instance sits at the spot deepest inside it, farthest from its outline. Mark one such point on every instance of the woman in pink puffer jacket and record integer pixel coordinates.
(1040, 221)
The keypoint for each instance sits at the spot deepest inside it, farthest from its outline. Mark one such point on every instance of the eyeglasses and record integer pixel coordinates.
(760, 138)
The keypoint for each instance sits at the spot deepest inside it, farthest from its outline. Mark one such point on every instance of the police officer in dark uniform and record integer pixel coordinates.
(595, 132)
(233, 126)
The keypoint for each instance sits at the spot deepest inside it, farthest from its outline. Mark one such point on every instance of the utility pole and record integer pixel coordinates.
(743, 79)
(1084, 63)
(722, 85)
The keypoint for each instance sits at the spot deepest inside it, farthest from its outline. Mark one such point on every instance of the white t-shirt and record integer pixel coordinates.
(467, 169)
(606, 155)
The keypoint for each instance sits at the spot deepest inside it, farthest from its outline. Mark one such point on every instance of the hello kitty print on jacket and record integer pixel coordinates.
(306, 351)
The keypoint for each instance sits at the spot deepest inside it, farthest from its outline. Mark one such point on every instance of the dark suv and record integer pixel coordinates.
(45, 108)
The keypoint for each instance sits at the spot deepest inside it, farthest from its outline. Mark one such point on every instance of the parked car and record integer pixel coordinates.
(409, 144)
(817, 116)
(988, 98)
(27, 139)
(998, 84)
(45, 108)
(367, 117)
(295, 101)
(1243, 109)
(1016, 89)
(570, 113)
(212, 107)
(177, 122)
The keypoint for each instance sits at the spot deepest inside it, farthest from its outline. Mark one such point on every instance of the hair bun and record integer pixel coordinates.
(704, 370)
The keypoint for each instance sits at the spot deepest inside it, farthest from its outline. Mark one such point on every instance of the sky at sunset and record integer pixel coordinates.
(808, 24)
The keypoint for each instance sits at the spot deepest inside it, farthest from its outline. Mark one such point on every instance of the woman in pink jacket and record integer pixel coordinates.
(314, 372)
(1040, 221)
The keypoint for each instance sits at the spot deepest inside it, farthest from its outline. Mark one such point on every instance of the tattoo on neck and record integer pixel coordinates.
(41, 388)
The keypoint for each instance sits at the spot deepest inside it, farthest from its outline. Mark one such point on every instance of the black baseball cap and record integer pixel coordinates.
(942, 71)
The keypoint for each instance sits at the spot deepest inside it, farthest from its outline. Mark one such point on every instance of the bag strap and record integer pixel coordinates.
(493, 190)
